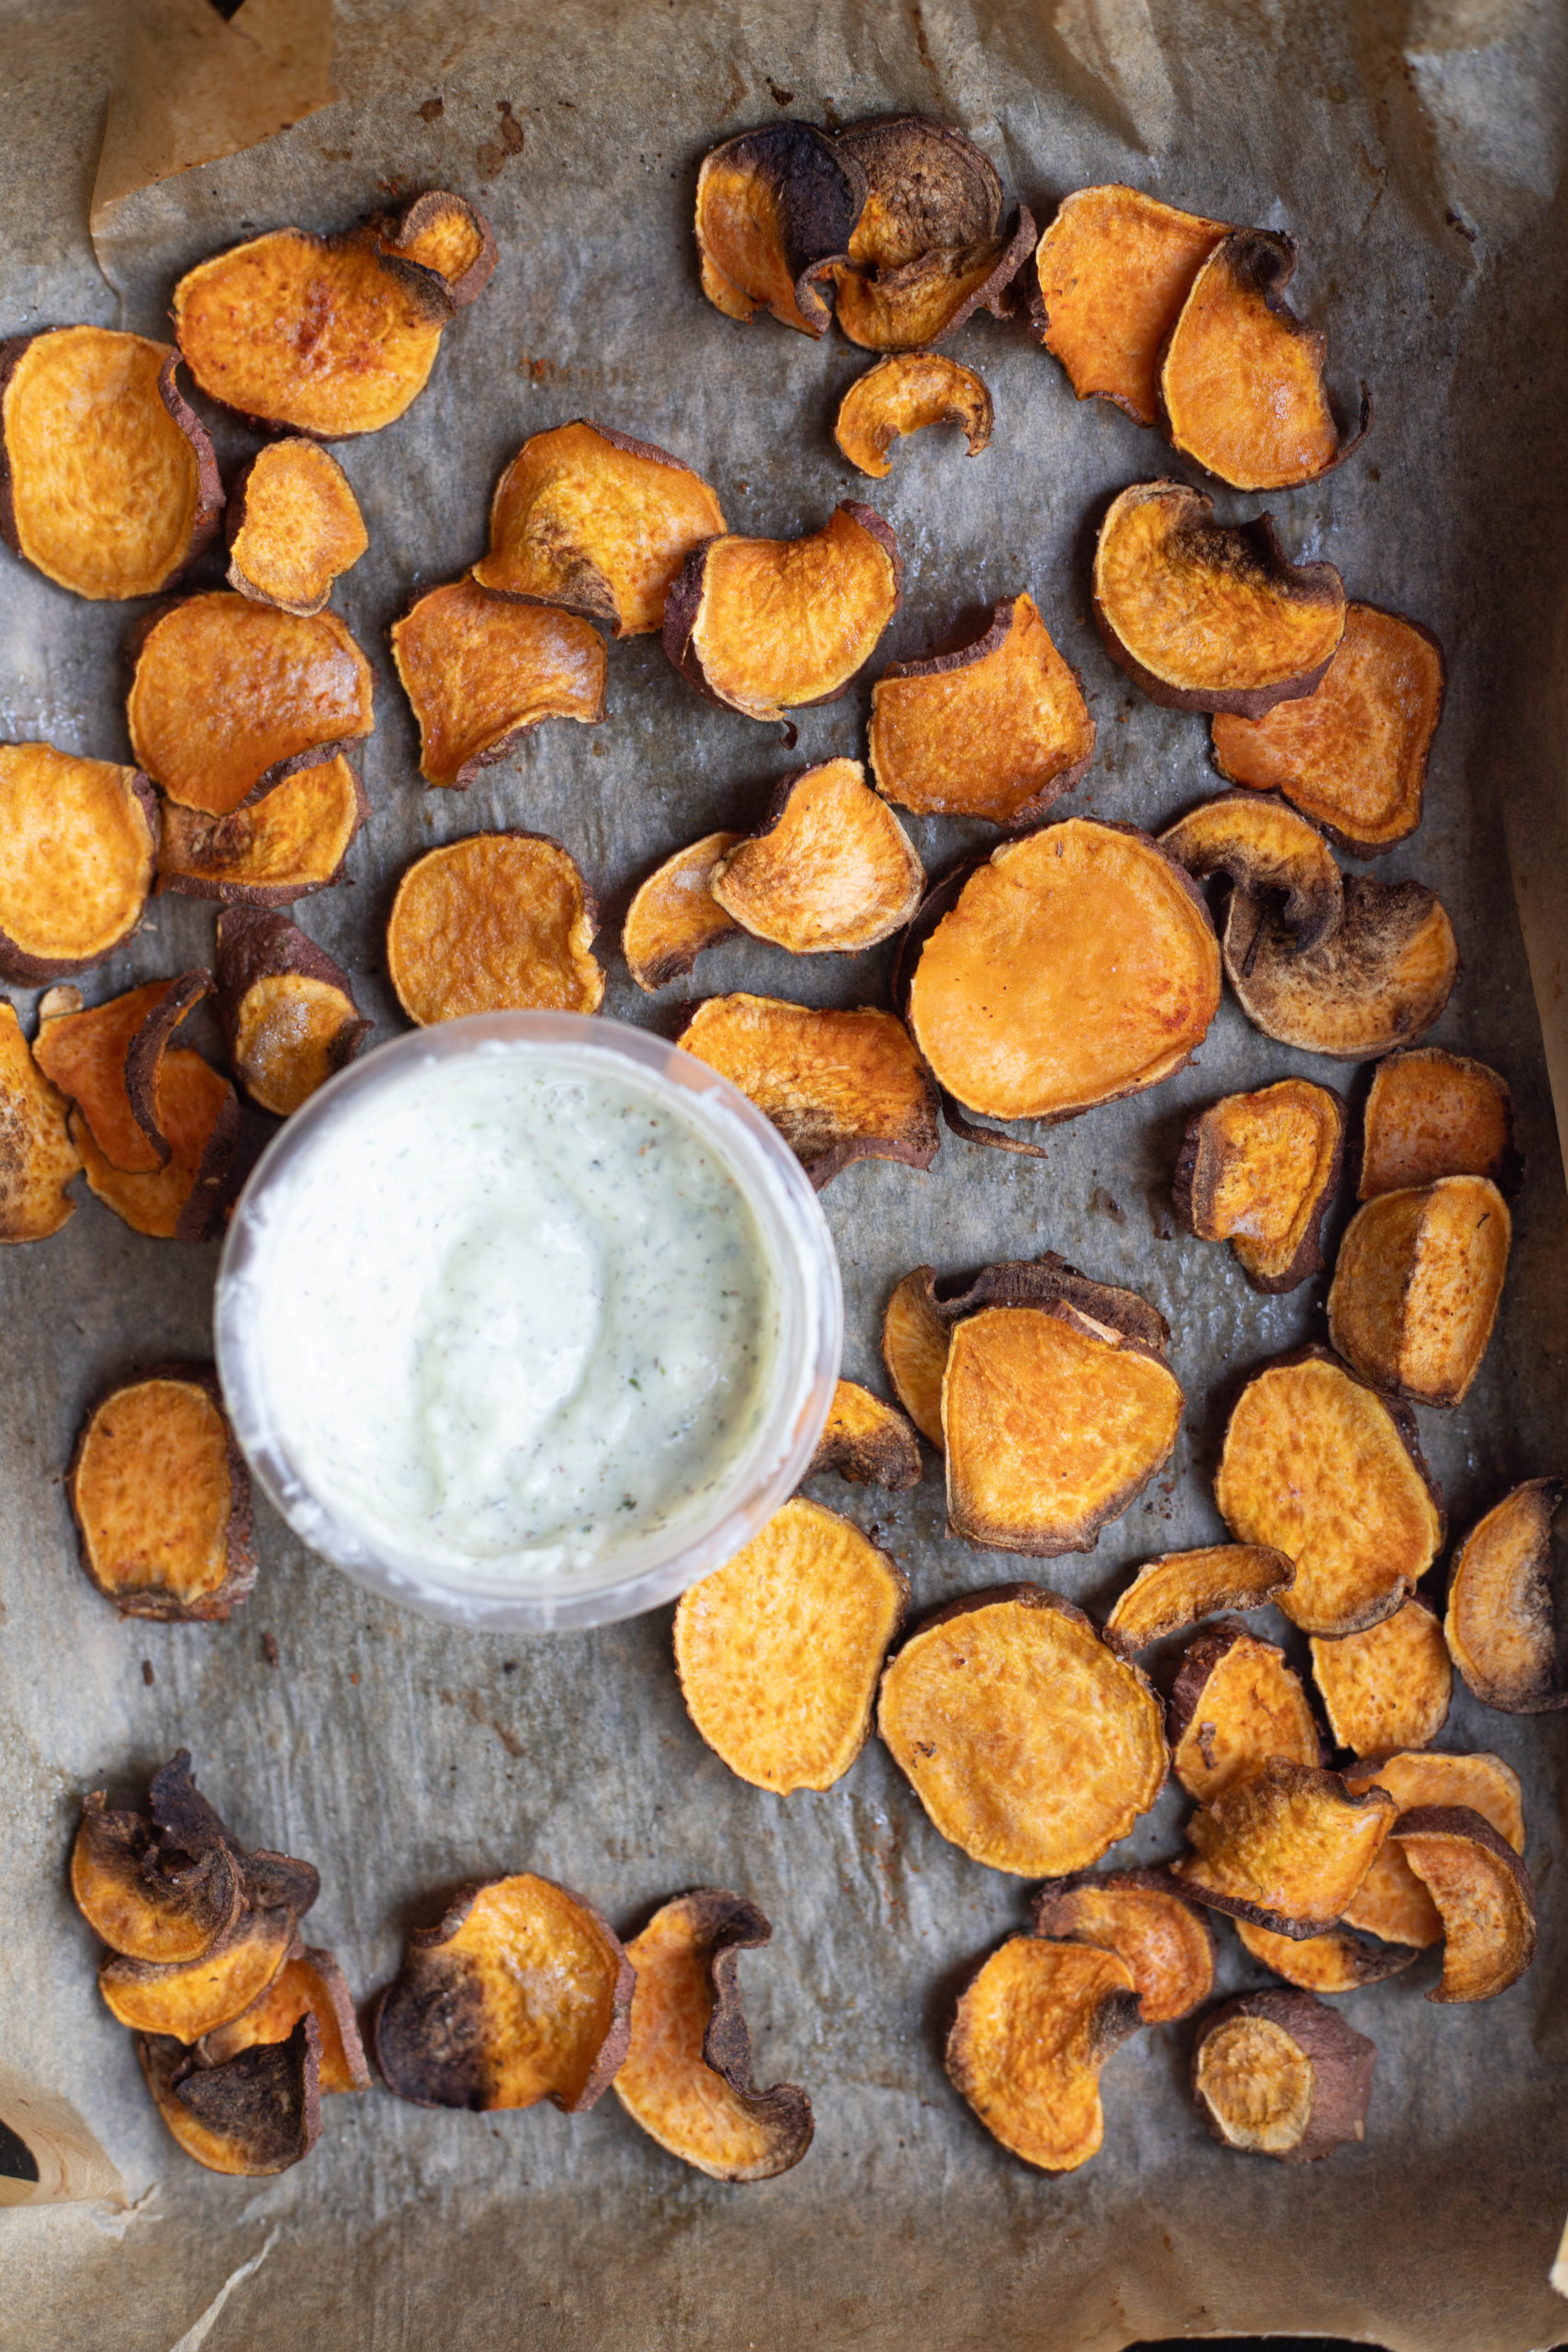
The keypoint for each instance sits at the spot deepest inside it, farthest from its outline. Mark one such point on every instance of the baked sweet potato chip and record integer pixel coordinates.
(1206, 615)
(1260, 1171)
(480, 673)
(106, 1061)
(147, 1897)
(779, 1651)
(1113, 270)
(257, 2114)
(197, 1113)
(829, 871)
(1031, 2035)
(999, 729)
(287, 844)
(521, 1992)
(1031, 1744)
(588, 519)
(838, 1086)
(310, 1984)
(1164, 1943)
(1416, 1286)
(109, 483)
(915, 1340)
(1180, 1588)
(228, 695)
(867, 1440)
(447, 234)
(1352, 754)
(770, 204)
(77, 843)
(285, 1010)
(293, 526)
(161, 1500)
(1073, 966)
(1280, 2074)
(1432, 1114)
(1391, 1901)
(675, 915)
(190, 1997)
(1285, 1845)
(1483, 1893)
(1236, 1705)
(764, 626)
(37, 1159)
(1317, 1465)
(1267, 851)
(1377, 982)
(925, 300)
(903, 393)
(1501, 1625)
(495, 923)
(687, 2076)
(1388, 1687)
(1337, 1962)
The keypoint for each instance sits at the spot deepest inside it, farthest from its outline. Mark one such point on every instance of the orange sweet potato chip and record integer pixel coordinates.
(480, 673)
(1180, 1588)
(915, 1339)
(495, 923)
(1388, 1687)
(293, 526)
(838, 1086)
(770, 204)
(1432, 1114)
(1236, 1705)
(37, 1159)
(1319, 1467)
(779, 1651)
(925, 300)
(1483, 1893)
(447, 234)
(1391, 1901)
(1260, 1171)
(1031, 2033)
(675, 915)
(310, 1984)
(1337, 1962)
(1113, 269)
(1280, 2074)
(109, 483)
(903, 393)
(147, 1898)
(1285, 1845)
(287, 844)
(867, 1440)
(161, 1500)
(197, 1114)
(1267, 851)
(1377, 982)
(190, 1997)
(829, 871)
(1501, 1625)
(687, 2076)
(1416, 1287)
(285, 1010)
(1031, 1744)
(999, 729)
(77, 841)
(257, 2114)
(1206, 615)
(108, 1061)
(521, 1992)
(1142, 1916)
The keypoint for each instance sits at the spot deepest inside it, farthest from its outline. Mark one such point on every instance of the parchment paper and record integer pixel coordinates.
(1415, 150)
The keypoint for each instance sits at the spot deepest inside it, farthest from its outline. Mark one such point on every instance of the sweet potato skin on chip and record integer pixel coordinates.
(285, 1010)
(293, 526)
(770, 204)
(829, 871)
(310, 1984)
(494, 922)
(1142, 1916)
(1391, 1901)
(1112, 271)
(867, 1440)
(287, 844)
(1389, 1687)
(914, 1341)
(480, 673)
(126, 1887)
(1235, 1705)
(1266, 850)
(106, 1059)
(1280, 2074)
(1379, 980)
(188, 1998)
(1336, 1962)
(37, 1159)
(1260, 1171)
(1433, 1113)
(1180, 1588)
(1483, 1893)
(446, 233)
(1030, 2034)
(186, 1200)
(257, 2114)
(1416, 1287)
(79, 840)
(903, 393)
(675, 915)
(1501, 1625)
(838, 1086)
(162, 1498)
(1286, 1846)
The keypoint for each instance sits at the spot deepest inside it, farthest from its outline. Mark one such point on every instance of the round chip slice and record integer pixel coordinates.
(1283, 2076)
(293, 526)
(161, 1500)
(1235, 1705)
(829, 871)
(1388, 1687)
(498, 922)
(77, 843)
(1113, 269)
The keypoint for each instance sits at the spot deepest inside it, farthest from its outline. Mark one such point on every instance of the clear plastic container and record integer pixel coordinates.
(794, 1233)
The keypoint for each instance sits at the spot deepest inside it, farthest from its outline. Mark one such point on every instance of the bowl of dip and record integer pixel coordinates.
(528, 1320)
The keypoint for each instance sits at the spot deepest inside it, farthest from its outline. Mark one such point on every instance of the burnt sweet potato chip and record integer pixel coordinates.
(285, 1010)
(1317, 1465)
(37, 1159)
(108, 1060)
(1391, 1901)
(838, 1086)
(867, 1440)
(1112, 271)
(999, 729)
(770, 204)
(197, 1114)
(915, 1339)
(687, 2076)
(1416, 1286)
(446, 233)
(675, 915)
(1432, 1114)
(150, 1899)
(1260, 1171)
(161, 1500)
(229, 694)
(1206, 615)
(1142, 1916)
(521, 1992)
(903, 393)
(1030, 1742)
(1337, 1962)
(829, 871)
(190, 1997)
(109, 483)
(287, 844)
(1352, 754)
(1388, 1687)
(1268, 852)
(1031, 2033)
(779, 1651)
(1235, 1705)
(293, 526)
(1501, 1625)
(1073, 966)
(1180, 1588)
(257, 2113)
(926, 299)
(763, 625)
(1280, 2074)
(1483, 1893)
(492, 923)
(1285, 1845)
(1377, 982)
(310, 1984)
(588, 519)
(481, 673)
(77, 843)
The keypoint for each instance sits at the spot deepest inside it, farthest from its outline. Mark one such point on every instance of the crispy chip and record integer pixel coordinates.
(187, 1200)
(257, 2114)
(1432, 1114)
(768, 205)
(838, 1086)
(867, 1440)
(482, 672)
(1483, 1893)
(287, 844)
(1337, 1962)
(1164, 1943)
(829, 871)
(1378, 981)
(1266, 850)
(287, 1010)
(1260, 1171)
(1280, 2074)
(147, 1902)
(1236, 1705)
(77, 841)
(1388, 1687)
(188, 1998)
(161, 1500)
(37, 1159)
(1113, 269)
(498, 922)
(293, 526)
(1031, 2035)
(108, 1061)
(310, 1984)
(1416, 1287)
(1391, 1901)
(926, 299)
(1285, 1845)
(1502, 1625)
(675, 915)
(1180, 1588)
(903, 393)
(913, 1348)
(446, 233)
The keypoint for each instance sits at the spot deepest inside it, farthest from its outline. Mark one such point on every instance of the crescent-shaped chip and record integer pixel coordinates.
(1501, 1625)
(1180, 1588)
(675, 914)
(287, 844)
(1416, 1287)
(1483, 1893)
(1391, 1901)
(1164, 1941)
(904, 394)
(1260, 1171)
(1031, 2032)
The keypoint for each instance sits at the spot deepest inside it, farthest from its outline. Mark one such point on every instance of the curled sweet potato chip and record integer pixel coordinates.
(1433, 1113)
(1260, 1171)
(1318, 1466)
(838, 1086)
(1235, 1705)
(310, 1984)
(1206, 615)
(1388, 1687)
(1266, 849)
(190, 1997)
(1181, 1587)
(287, 844)
(109, 483)
(197, 1114)
(675, 915)
(1031, 1744)
(148, 1898)
(867, 1440)
(449, 235)
(766, 625)
(1337, 1962)
(106, 1061)
(161, 1500)
(1391, 1901)
(230, 694)
(926, 299)
(1501, 1625)
(287, 1010)
(293, 526)
(1285, 1845)
(521, 1992)
(999, 730)
(1483, 1895)
(1073, 966)
(687, 2076)
(1416, 1287)
(1113, 269)
(37, 1159)
(770, 204)
(903, 393)
(498, 922)
(256, 2114)
(1377, 982)
(1352, 754)
(481, 673)
(778, 1651)
(1142, 1916)
(913, 1348)
(1280, 2074)
(77, 841)
(1031, 2033)
(829, 871)
(589, 520)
